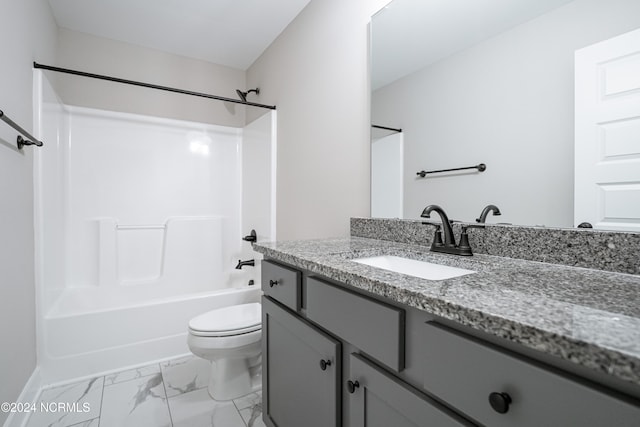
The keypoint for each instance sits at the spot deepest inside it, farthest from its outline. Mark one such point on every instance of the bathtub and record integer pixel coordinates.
(138, 226)
(89, 331)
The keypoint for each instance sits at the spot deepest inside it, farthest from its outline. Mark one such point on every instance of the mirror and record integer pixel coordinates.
(492, 82)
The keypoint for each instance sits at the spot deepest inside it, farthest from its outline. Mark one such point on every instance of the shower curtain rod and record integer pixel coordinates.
(149, 85)
(386, 128)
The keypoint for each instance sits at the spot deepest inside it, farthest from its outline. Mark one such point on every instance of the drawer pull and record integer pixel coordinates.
(500, 402)
(272, 283)
(352, 386)
(324, 364)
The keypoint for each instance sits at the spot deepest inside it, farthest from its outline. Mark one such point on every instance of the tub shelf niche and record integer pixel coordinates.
(184, 251)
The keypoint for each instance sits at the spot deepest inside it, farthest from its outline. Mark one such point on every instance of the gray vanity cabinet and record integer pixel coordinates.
(282, 284)
(336, 356)
(301, 371)
(501, 389)
(378, 399)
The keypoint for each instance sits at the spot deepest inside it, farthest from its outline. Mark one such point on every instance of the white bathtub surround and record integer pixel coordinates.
(138, 224)
(143, 396)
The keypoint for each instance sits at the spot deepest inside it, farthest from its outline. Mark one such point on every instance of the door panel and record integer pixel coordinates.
(297, 391)
(607, 134)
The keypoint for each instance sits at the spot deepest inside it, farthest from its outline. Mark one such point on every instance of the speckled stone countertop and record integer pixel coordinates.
(588, 317)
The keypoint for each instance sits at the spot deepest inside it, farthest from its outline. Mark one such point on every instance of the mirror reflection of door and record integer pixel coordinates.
(386, 176)
(607, 144)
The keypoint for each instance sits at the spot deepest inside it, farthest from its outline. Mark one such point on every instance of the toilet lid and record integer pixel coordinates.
(232, 320)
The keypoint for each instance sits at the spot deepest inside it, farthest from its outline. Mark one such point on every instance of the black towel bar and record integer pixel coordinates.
(481, 168)
(21, 142)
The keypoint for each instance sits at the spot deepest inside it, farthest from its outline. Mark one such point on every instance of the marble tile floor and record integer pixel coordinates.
(171, 393)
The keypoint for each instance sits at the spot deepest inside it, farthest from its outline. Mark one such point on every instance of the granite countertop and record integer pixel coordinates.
(588, 317)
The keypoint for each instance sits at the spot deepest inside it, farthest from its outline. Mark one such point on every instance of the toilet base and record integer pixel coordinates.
(232, 378)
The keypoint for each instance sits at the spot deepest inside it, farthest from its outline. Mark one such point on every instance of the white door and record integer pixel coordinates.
(607, 134)
(386, 176)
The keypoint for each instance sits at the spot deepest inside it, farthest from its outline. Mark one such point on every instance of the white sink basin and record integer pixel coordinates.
(412, 267)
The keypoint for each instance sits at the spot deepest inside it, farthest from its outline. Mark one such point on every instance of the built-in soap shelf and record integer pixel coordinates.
(182, 249)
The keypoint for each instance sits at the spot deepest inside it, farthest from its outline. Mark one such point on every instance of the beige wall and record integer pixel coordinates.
(28, 33)
(316, 72)
(98, 55)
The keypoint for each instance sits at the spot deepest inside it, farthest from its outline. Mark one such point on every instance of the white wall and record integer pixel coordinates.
(316, 73)
(507, 102)
(28, 32)
(98, 55)
(387, 176)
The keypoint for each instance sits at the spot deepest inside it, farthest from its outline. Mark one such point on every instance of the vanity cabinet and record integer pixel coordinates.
(334, 356)
(379, 399)
(502, 389)
(301, 371)
(375, 328)
(282, 284)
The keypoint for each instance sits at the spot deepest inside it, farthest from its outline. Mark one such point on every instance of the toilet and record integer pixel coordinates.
(230, 338)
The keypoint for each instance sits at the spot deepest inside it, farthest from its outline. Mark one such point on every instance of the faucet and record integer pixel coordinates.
(251, 262)
(485, 212)
(449, 246)
(449, 240)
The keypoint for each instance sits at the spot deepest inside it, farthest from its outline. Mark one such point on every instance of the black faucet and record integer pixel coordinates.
(485, 213)
(449, 240)
(449, 246)
(251, 262)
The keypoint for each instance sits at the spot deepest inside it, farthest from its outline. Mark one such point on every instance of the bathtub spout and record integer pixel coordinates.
(251, 262)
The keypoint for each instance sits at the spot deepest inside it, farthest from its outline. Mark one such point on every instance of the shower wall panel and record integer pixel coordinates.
(151, 201)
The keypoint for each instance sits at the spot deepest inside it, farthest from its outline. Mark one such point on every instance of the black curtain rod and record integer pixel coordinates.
(386, 128)
(149, 85)
(21, 142)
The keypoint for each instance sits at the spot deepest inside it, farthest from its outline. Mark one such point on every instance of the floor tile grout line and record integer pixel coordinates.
(132, 379)
(104, 380)
(166, 395)
(238, 410)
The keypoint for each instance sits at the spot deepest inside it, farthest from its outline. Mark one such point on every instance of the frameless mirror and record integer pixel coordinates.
(492, 82)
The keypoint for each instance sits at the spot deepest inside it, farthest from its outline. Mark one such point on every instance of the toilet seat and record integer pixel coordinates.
(227, 321)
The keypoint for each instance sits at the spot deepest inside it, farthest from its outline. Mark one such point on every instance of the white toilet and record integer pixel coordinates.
(230, 338)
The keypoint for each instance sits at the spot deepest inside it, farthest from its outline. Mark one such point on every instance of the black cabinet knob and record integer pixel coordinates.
(324, 364)
(500, 402)
(272, 283)
(352, 386)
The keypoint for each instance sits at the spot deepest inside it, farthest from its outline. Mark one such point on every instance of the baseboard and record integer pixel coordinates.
(30, 394)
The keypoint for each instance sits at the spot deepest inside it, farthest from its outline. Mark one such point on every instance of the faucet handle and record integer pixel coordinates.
(437, 235)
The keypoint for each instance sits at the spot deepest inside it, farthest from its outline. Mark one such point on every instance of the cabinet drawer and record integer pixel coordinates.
(282, 284)
(378, 398)
(374, 327)
(464, 372)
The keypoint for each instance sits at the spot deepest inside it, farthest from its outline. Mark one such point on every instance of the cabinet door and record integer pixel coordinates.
(301, 371)
(378, 399)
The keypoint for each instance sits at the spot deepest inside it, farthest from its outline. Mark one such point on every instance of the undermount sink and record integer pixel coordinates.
(412, 267)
